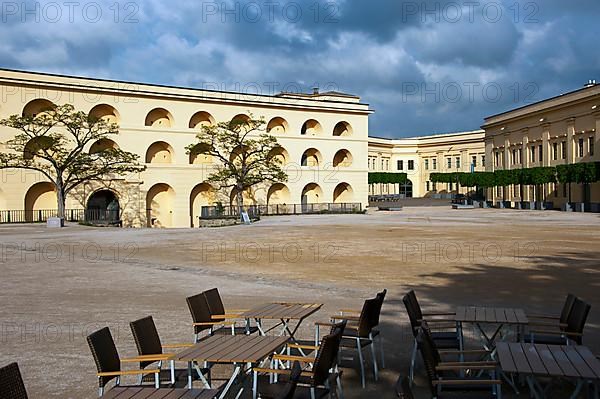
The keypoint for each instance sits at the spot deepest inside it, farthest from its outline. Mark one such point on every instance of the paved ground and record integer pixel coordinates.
(58, 286)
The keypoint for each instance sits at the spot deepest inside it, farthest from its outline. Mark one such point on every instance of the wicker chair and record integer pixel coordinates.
(360, 335)
(353, 315)
(11, 383)
(553, 320)
(565, 334)
(148, 344)
(218, 313)
(108, 363)
(456, 376)
(323, 376)
(283, 390)
(202, 322)
(447, 338)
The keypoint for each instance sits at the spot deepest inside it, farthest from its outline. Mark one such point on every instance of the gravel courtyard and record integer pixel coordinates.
(57, 286)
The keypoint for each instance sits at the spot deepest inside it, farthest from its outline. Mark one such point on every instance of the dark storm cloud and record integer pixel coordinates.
(424, 66)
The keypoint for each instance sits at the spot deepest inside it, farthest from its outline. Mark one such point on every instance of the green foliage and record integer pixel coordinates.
(56, 143)
(244, 154)
(385, 178)
(538, 175)
(506, 177)
(587, 172)
(485, 179)
(442, 177)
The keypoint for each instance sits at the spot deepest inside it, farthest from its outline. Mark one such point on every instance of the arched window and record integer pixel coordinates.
(342, 129)
(311, 128)
(159, 118)
(103, 145)
(106, 112)
(342, 159)
(277, 126)
(311, 157)
(280, 154)
(199, 155)
(160, 152)
(37, 107)
(200, 119)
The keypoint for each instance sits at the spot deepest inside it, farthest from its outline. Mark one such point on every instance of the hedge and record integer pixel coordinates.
(588, 172)
(386, 177)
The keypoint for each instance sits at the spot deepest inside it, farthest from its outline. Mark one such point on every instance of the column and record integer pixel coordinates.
(597, 138)
(546, 156)
(525, 162)
(570, 140)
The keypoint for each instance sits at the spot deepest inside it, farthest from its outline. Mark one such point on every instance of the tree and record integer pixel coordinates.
(56, 143)
(245, 155)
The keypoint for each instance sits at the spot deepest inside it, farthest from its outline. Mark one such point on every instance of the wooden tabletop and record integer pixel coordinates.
(484, 314)
(548, 360)
(163, 393)
(232, 349)
(287, 311)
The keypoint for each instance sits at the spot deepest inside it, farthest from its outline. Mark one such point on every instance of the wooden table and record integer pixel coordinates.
(284, 312)
(240, 350)
(553, 361)
(162, 393)
(482, 315)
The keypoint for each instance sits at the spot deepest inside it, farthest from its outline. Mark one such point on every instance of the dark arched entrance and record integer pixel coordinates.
(103, 208)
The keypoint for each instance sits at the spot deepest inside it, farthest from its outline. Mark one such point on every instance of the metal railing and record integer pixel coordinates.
(93, 216)
(256, 211)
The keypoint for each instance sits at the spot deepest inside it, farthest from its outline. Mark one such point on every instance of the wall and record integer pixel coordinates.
(133, 106)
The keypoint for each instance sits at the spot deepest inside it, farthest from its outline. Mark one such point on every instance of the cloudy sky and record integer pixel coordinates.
(424, 66)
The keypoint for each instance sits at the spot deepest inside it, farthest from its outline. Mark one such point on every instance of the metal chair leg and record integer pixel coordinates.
(381, 351)
(375, 368)
(340, 391)
(361, 361)
(413, 358)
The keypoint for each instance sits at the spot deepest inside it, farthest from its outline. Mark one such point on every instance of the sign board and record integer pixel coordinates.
(246, 218)
(53, 222)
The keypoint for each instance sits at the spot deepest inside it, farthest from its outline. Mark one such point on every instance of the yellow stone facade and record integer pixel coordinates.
(560, 130)
(418, 157)
(324, 137)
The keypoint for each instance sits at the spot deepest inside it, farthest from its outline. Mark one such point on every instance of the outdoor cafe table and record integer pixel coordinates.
(242, 351)
(573, 362)
(162, 393)
(284, 312)
(483, 315)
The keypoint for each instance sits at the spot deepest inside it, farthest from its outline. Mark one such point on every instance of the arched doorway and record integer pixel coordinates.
(343, 193)
(159, 205)
(201, 195)
(311, 194)
(278, 194)
(40, 201)
(103, 208)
